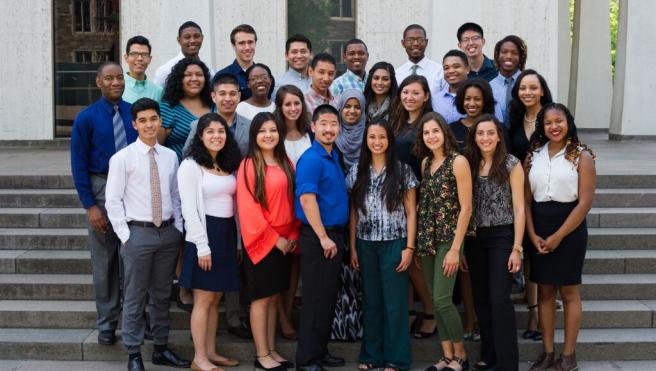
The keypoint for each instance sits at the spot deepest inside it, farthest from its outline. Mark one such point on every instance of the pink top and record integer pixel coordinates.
(260, 228)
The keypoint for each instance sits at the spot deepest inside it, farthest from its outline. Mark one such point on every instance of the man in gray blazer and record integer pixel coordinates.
(226, 95)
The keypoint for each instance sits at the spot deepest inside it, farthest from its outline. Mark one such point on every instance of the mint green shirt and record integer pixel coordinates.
(135, 89)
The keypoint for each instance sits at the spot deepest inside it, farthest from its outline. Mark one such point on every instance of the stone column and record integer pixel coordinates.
(27, 94)
(634, 93)
(591, 89)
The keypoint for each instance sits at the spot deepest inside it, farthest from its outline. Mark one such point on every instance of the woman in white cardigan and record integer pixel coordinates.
(207, 190)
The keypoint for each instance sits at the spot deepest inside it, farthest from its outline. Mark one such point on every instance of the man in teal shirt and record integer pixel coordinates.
(137, 57)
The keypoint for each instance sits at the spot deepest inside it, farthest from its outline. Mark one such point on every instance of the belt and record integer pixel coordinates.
(100, 175)
(330, 228)
(136, 223)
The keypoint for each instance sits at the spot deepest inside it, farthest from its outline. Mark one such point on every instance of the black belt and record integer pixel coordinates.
(136, 223)
(100, 175)
(330, 228)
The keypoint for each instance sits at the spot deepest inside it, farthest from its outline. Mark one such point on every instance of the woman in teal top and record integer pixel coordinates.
(186, 98)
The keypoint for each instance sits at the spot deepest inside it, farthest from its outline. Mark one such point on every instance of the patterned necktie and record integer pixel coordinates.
(508, 81)
(120, 140)
(155, 192)
(414, 69)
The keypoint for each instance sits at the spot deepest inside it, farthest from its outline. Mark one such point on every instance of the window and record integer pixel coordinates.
(104, 16)
(341, 9)
(95, 16)
(83, 56)
(82, 15)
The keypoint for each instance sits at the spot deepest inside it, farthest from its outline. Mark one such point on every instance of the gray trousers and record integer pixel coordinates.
(149, 258)
(104, 265)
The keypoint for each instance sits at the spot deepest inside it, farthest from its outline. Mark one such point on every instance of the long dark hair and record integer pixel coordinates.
(450, 143)
(516, 109)
(259, 166)
(498, 171)
(303, 122)
(399, 116)
(369, 94)
(268, 70)
(227, 159)
(173, 90)
(573, 148)
(394, 186)
(486, 91)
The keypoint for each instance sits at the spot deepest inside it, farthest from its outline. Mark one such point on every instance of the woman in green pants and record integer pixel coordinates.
(445, 199)
(382, 235)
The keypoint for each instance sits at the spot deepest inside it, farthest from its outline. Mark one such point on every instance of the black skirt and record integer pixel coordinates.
(564, 265)
(268, 277)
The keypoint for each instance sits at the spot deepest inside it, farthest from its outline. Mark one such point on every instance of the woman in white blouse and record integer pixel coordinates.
(559, 193)
(291, 112)
(207, 192)
(261, 83)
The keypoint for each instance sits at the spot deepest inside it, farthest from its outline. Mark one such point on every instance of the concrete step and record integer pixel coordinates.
(626, 180)
(81, 344)
(622, 217)
(46, 287)
(621, 238)
(620, 262)
(45, 261)
(625, 197)
(36, 181)
(78, 314)
(39, 198)
(618, 287)
(30, 217)
(43, 239)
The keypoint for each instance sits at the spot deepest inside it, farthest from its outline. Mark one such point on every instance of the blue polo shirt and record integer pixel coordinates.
(240, 74)
(488, 71)
(320, 173)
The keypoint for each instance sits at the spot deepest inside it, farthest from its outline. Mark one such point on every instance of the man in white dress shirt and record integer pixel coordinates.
(190, 38)
(143, 205)
(414, 42)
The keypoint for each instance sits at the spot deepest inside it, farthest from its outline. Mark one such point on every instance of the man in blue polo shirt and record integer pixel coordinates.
(322, 206)
(99, 131)
(471, 41)
(243, 39)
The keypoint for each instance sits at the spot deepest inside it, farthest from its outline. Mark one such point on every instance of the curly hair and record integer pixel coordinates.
(399, 116)
(303, 122)
(227, 159)
(268, 70)
(486, 92)
(573, 147)
(173, 90)
(521, 48)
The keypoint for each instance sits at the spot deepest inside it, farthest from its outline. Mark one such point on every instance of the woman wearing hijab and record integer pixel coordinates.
(352, 120)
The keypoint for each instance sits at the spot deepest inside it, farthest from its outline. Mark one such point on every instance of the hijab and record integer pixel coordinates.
(349, 140)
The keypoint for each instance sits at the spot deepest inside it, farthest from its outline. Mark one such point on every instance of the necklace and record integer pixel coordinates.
(526, 120)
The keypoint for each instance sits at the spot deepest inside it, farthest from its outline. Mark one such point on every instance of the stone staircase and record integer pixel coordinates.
(47, 312)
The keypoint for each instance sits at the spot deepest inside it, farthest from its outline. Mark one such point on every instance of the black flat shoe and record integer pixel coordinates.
(329, 360)
(136, 364)
(107, 337)
(481, 366)
(168, 358)
(186, 307)
(426, 335)
(258, 365)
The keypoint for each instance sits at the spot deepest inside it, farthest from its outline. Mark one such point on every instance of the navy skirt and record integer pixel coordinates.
(563, 266)
(224, 275)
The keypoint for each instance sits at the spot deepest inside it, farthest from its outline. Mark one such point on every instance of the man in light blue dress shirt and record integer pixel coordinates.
(356, 57)
(298, 54)
(137, 57)
(510, 56)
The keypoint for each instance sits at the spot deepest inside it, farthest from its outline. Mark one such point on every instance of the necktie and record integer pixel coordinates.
(508, 82)
(414, 69)
(155, 192)
(120, 140)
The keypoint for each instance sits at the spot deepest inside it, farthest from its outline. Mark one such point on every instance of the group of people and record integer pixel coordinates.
(368, 188)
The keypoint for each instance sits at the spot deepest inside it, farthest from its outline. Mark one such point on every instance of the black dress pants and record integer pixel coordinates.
(487, 255)
(321, 282)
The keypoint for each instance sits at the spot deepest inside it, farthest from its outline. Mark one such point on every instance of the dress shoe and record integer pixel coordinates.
(136, 364)
(329, 360)
(168, 358)
(241, 332)
(310, 368)
(107, 337)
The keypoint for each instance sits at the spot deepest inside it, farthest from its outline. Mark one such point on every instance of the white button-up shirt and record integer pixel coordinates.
(127, 192)
(553, 179)
(431, 70)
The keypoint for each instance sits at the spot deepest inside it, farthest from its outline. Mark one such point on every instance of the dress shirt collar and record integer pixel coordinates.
(513, 78)
(109, 106)
(316, 94)
(292, 73)
(487, 64)
(545, 151)
(143, 148)
(322, 151)
(351, 75)
(131, 81)
(445, 91)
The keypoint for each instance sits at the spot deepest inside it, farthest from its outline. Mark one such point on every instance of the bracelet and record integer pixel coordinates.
(410, 248)
(518, 248)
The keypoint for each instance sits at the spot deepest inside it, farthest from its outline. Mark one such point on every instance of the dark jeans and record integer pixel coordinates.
(321, 282)
(487, 255)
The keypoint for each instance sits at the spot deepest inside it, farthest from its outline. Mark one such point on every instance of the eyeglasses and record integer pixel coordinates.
(138, 54)
(412, 40)
(262, 78)
(474, 39)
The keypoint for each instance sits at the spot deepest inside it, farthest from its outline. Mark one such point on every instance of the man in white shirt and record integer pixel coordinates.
(190, 38)
(143, 205)
(414, 42)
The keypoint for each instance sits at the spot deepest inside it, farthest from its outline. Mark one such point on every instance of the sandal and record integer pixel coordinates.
(436, 367)
(415, 322)
(366, 366)
(463, 363)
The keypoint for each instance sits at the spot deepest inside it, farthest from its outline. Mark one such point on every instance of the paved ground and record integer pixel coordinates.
(616, 157)
(120, 366)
